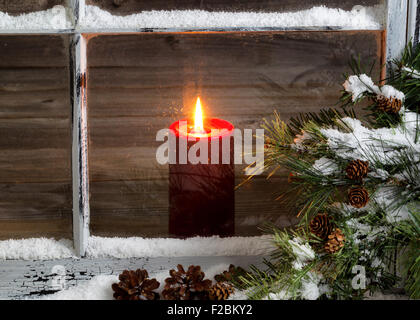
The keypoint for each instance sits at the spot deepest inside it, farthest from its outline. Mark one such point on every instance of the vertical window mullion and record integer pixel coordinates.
(80, 172)
(396, 27)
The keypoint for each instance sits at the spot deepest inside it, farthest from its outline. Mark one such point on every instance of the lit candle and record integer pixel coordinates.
(202, 181)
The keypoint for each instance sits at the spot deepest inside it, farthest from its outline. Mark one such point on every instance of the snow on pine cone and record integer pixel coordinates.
(220, 291)
(186, 285)
(357, 169)
(321, 225)
(135, 285)
(358, 197)
(335, 241)
(388, 105)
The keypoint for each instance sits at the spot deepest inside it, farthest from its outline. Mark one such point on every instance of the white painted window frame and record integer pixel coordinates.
(402, 24)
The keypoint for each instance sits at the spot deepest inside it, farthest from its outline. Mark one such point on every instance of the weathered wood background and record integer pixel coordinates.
(35, 140)
(140, 83)
(124, 7)
(15, 7)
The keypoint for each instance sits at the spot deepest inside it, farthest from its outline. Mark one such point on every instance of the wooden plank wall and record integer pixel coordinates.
(14, 7)
(131, 6)
(140, 83)
(35, 139)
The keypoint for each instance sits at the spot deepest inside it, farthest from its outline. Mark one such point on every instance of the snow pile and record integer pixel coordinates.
(99, 287)
(310, 283)
(36, 249)
(311, 288)
(54, 18)
(385, 199)
(303, 252)
(363, 141)
(325, 166)
(58, 17)
(412, 72)
(358, 85)
(358, 18)
(99, 247)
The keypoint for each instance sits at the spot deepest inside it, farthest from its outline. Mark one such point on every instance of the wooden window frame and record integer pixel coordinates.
(402, 24)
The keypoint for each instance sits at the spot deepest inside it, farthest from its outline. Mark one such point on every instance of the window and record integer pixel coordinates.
(81, 101)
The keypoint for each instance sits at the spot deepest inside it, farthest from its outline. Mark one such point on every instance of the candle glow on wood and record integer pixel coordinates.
(200, 127)
(198, 123)
(198, 131)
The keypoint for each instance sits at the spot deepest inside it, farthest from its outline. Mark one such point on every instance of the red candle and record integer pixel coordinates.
(201, 195)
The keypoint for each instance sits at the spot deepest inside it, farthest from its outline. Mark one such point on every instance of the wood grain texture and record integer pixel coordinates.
(55, 227)
(123, 7)
(140, 83)
(35, 141)
(14, 7)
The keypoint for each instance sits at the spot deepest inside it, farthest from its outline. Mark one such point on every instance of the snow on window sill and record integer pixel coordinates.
(99, 247)
(58, 19)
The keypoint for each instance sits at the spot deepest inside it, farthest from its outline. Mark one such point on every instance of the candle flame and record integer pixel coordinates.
(198, 123)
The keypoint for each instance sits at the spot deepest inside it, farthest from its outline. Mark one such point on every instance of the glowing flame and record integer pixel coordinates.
(198, 123)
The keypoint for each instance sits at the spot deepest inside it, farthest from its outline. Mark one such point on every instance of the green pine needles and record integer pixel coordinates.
(355, 184)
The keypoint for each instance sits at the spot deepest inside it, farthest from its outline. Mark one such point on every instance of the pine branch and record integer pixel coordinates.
(325, 117)
(406, 81)
(411, 258)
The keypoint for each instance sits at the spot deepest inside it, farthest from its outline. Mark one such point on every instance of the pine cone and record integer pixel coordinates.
(321, 226)
(388, 105)
(135, 285)
(358, 197)
(231, 275)
(357, 169)
(335, 241)
(220, 291)
(189, 285)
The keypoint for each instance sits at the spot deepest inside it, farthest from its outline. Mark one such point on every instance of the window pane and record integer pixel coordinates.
(35, 138)
(141, 83)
